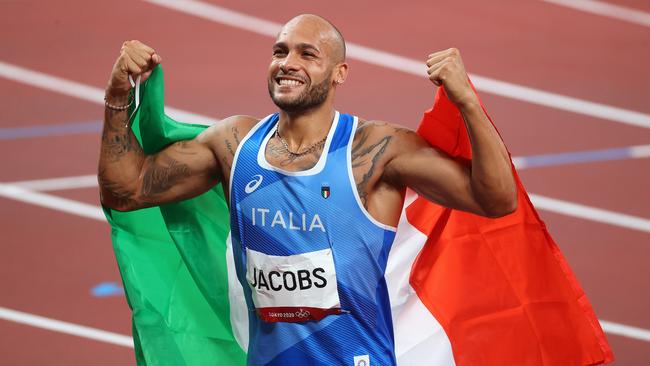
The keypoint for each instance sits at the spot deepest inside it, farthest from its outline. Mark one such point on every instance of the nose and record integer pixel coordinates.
(289, 63)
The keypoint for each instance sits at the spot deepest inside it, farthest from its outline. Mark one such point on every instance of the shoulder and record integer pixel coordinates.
(376, 143)
(232, 128)
(241, 121)
(390, 147)
(238, 125)
(394, 136)
(224, 137)
(382, 128)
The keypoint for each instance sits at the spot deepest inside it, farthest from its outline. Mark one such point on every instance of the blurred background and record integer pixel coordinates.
(565, 82)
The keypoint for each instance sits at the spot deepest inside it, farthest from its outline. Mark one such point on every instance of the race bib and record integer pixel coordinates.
(293, 288)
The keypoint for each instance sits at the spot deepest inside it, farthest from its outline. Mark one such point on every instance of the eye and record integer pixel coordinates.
(308, 54)
(279, 52)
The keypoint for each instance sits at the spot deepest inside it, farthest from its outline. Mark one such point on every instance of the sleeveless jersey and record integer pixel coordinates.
(309, 256)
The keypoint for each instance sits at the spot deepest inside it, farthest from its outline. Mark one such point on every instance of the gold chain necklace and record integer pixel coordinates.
(304, 152)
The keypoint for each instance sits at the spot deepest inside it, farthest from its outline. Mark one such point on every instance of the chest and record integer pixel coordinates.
(365, 167)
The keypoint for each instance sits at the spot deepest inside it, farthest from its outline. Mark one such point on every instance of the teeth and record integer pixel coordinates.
(289, 82)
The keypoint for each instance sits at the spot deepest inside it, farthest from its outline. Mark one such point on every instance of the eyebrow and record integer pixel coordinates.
(301, 46)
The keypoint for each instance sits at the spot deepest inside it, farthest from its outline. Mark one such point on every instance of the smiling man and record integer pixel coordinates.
(315, 195)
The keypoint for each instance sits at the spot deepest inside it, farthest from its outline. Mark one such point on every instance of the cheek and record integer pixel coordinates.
(273, 68)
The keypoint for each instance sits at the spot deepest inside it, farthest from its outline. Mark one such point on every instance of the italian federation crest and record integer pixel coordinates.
(325, 191)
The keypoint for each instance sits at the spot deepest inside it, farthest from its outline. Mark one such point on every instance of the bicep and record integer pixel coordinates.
(433, 175)
(182, 170)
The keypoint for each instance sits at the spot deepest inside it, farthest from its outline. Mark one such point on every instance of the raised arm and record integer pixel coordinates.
(487, 187)
(128, 179)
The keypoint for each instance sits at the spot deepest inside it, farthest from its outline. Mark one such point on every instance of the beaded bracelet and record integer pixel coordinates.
(117, 107)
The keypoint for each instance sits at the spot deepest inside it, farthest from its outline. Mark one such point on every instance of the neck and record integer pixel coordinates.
(302, 129)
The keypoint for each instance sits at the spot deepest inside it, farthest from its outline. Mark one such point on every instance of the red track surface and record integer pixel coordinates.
(53, 259)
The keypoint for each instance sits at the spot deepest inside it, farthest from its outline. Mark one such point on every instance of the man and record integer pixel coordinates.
(315, 195)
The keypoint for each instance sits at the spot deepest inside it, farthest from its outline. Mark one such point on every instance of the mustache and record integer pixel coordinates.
(291, 75)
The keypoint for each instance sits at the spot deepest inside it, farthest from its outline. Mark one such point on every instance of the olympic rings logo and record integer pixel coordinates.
(302, 313)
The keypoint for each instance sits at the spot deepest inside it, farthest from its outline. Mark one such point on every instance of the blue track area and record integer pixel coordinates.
(533, 161)
(523, 162)
(76, 128)
(106, 289)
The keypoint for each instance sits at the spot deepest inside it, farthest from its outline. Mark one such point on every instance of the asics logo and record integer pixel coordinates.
(253, 184)
(363, 360)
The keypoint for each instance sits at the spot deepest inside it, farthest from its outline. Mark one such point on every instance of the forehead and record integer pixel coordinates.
(305, 32)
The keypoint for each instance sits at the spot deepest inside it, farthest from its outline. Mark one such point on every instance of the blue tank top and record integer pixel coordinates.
(310, 258)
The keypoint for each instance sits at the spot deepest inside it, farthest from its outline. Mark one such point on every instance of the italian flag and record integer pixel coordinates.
(465, 290)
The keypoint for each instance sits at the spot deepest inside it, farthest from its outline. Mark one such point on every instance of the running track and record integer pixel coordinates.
(566, 86)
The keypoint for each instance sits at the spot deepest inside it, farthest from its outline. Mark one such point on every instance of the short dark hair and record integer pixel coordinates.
(339, 36)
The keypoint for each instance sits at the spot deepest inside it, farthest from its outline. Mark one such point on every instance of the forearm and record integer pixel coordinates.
(121, 157)
(492, 181)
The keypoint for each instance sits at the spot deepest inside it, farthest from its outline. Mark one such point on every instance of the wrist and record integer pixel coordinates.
(469, 103)
(117, 101)
(112, 92)
(117, 92)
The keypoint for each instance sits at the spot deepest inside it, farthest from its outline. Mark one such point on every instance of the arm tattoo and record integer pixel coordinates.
(118, 195)
(363, 138)
(367, 153)
(117, 141)
(230, 147)
(159, 178)
(374, 152)
(226, 164)
(235, 133)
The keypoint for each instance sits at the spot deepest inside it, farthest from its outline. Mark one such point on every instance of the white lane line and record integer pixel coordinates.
(72, 207)
(55, 184)
(579, 157)
(85, 92)
(65, 327)
(625, 330)
(50, 201)
(22, 191)
(100, 335)
(640, 151)
(369, 55)
(126, 341)
(590, 213)
(607, 10)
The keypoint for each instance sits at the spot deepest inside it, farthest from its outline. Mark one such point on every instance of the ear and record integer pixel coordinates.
(340, 73)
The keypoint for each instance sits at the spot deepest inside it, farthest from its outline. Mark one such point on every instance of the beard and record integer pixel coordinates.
(308, 98)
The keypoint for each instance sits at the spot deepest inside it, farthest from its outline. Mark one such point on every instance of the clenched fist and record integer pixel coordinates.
(136, 59)
(446, 69)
